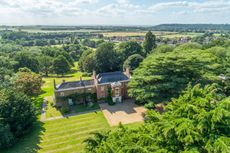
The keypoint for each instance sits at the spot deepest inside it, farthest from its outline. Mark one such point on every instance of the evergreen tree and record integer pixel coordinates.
(163, 76)
(198, 121)
(150, 43)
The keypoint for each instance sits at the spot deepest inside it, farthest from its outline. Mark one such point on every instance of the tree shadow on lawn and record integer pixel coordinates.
(29, 143)
(67, 111)
(42, 92)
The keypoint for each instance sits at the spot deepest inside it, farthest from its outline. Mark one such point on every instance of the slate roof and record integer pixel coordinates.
(110, 77)
(75, 84)
(102, 78)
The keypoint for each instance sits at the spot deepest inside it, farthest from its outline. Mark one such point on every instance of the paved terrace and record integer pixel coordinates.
(126, 112)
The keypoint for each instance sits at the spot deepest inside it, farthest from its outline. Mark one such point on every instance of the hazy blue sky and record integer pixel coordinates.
(113, 12)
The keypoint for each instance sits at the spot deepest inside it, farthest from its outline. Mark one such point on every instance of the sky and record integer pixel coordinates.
(113, 12)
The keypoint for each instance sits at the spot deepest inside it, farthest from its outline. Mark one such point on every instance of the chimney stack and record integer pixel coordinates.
(55, 87)
(81, 82)
(94, 74)
(127, 72)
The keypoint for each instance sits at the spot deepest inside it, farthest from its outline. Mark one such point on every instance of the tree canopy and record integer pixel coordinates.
(126, 49)
(61, 65)
(105, 58)
(150, 42)
(87, 61)
(28, 82)
(25, 59)
(198, 121)
(17, 114)
(133, 61)
(162, 76)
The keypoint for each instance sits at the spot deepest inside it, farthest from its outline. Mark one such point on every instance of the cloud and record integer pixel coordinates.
(123, 11)
(46, 7)
(122, 1)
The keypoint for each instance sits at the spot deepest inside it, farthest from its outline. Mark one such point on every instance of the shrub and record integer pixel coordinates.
(17, 114)
(65, 110)
(109, 97)
(150, 105)
(6, 137)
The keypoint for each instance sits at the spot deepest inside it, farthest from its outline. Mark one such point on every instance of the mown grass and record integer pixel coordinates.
(62, 135)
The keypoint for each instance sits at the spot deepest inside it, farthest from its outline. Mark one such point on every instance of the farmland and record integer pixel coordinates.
(46, 51)
(157, 33)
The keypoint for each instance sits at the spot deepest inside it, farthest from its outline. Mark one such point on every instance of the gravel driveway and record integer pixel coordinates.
(126, 112)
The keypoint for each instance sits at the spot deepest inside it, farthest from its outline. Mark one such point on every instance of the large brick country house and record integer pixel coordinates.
(99, 85)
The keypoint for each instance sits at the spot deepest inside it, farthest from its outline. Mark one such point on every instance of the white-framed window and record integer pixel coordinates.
(62, 94)
(117, 92)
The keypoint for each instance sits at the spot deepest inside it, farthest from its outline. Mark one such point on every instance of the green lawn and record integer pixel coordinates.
(53, 111)
(62, 135)
(48, 88)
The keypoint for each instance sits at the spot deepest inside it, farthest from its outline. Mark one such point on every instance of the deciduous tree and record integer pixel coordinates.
(106, 58)
(61, 65)
(127, 49)
(133, 61)
(28, 82)
(17, 111)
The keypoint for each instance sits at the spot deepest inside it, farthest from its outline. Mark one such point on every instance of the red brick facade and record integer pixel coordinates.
(119, 88)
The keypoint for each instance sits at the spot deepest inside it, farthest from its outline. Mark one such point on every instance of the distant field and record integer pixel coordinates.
(53, 31)
(36, 30)
(178, 35)
(123, 34)
(157, 33)
(107, 33)
(126, 34)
